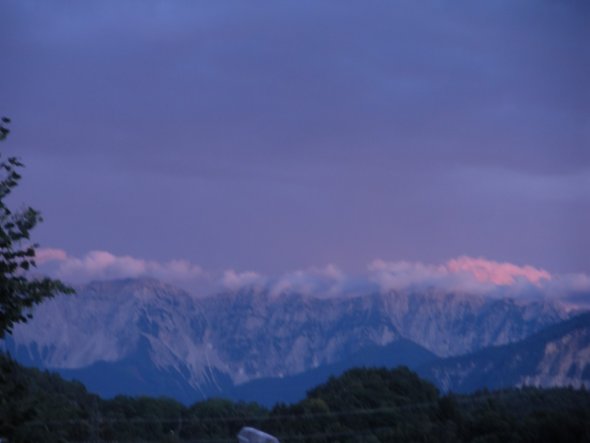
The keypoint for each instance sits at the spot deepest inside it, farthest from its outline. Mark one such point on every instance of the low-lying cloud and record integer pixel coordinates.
(234, 281)
(486, 271)
(465, 274)
(104, 265)
(462, 274)
(321, 282)
(46, 255)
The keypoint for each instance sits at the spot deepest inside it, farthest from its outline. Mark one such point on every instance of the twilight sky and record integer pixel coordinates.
(272, 136)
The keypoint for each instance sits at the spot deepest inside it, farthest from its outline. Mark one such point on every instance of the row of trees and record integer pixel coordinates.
(368, 405)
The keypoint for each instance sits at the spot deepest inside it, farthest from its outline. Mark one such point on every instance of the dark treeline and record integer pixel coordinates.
(362, 405)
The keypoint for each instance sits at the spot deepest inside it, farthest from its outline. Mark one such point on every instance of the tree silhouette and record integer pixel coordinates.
(19, 292)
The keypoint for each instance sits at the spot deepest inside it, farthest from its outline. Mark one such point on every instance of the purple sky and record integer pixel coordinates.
(281, 135)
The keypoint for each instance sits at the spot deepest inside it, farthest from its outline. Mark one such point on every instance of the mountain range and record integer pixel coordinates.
(556, 356)
(140, 336)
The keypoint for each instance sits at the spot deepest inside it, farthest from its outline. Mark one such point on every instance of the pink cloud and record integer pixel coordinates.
(487, 271)
(465, 274)
(45, 255)
(104, 265)
(100, 264)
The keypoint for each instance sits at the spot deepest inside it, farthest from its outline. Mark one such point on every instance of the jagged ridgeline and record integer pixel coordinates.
(369, 405)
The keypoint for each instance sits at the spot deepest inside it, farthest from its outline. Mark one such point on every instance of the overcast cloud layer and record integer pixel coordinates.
(285, 135)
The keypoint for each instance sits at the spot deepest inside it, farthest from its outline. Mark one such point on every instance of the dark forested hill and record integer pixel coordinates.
(269, 391)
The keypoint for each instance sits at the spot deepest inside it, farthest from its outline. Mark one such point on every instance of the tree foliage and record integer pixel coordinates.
(19, 292)
(369, 405)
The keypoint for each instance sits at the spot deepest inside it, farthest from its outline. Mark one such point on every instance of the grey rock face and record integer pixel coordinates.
(556, 356)
(453, 324)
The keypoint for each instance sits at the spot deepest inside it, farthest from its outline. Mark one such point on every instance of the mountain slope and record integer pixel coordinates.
(136, 375)
(556, 356)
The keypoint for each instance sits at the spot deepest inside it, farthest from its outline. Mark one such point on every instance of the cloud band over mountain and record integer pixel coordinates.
(462, 274)
(97, 265)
